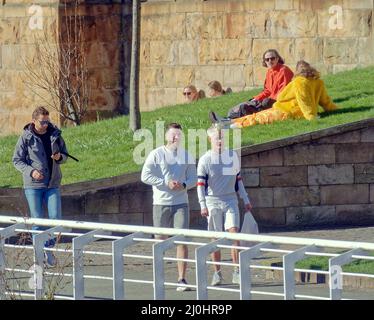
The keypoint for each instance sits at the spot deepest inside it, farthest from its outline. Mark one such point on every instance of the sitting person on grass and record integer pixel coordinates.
(277, 77)
(191, 93)
(216, 90)
(298, 100)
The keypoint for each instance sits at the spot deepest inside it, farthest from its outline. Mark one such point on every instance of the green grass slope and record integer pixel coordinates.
(106, 148)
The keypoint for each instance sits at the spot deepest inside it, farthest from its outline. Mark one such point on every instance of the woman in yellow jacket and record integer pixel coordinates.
(298, 100)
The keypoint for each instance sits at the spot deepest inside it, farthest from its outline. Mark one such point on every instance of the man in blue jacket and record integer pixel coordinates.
(38, 154)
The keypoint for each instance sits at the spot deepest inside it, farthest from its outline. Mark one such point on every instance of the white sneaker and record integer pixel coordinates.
(217, 278)
(183, 282)
(236, 277)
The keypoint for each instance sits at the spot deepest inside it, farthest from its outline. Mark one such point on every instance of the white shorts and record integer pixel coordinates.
(223, 215)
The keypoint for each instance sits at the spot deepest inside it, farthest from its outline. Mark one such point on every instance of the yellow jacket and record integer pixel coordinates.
(301, 97)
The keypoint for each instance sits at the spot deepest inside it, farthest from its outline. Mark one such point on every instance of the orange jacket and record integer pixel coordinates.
(276, 79)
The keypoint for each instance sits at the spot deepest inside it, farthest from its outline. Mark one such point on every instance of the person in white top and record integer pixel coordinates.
(171, 171)
(219, 180)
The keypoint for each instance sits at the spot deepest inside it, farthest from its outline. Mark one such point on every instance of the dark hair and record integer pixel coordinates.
(40, 111)
(275, 52)
(304, 69)
(173, 125)
(216, 85)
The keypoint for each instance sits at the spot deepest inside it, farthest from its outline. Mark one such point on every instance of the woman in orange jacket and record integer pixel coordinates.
(277, 77)
(298, 100)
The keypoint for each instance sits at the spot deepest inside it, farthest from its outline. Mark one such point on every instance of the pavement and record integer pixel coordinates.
(141, 269)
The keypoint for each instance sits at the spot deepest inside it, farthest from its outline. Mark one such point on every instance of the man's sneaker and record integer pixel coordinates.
(50, 259)
(182, 282)
(236, 277)
(217, 278)
(224, 123)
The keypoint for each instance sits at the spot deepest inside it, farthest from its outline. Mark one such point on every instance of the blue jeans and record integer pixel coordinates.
(36, 198)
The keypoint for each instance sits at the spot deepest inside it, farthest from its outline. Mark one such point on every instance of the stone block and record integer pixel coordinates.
(204, 26)
(355, 153)
(359, 214)
(367, 135)
(216, 6)
(263, 159)
(310, 216)
(248, 76)
(73, 205)
(158, 27)
(164, 53)
(309, 49)
(345, 194)
(145, 54)
(184, 75)
(269, 216)
(283, 176)
(225, 51)
(340, 50)
(205, 74)
(354, 4)
(14, 206)
(365, 46)
(283, 5)
(353, 23)
(261, 197)
(348, 137)
(188, 52)
(251, 177)
(331, 174)
(158, 97)
(291, 24)
(234, 76)
(102, 202)
(372, 193)
(309, 154)
(364, 173)
(10, 30)
(135, 202)
(296, 196)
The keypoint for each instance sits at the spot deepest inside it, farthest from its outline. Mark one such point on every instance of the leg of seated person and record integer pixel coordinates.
(263, 117)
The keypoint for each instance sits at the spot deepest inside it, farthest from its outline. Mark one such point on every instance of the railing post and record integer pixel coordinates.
(289, 261)
(118, 247)
(245, 258)
(158, 265)
(202, 268)
(39, 241)
(335, 269)
(78, 262)
(5, 234)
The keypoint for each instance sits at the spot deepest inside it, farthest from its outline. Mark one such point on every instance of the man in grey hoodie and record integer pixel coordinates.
(38, 154)
(171, 171)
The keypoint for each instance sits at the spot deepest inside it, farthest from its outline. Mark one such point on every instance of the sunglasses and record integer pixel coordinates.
(187, 93)
(271, 58)
(43, 122)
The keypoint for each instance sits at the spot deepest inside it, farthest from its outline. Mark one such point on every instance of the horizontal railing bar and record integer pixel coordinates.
(303, 296)
(179, 259)
(138, 281)
(221, 263)
(223, 289)
(21, 246)
(312, 271)
(21, 294)
(267, 293)
(189, 233)
(174, 284)
(86, 276)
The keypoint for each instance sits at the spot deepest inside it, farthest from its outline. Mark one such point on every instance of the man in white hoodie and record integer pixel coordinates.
(171, 171)
(218, 182)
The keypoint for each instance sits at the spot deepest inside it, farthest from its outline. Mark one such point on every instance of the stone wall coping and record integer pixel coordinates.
(307, 137)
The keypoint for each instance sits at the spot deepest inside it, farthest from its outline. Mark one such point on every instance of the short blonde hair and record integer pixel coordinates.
(304, 69)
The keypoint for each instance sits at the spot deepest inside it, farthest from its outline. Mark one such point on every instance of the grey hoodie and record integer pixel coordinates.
(29, 155)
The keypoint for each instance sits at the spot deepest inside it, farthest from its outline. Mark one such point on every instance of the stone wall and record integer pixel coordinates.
(106, 51)
(182, 41)
(316, 179)
(194, 41)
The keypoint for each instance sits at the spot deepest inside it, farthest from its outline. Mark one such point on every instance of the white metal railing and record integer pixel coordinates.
(136, 234)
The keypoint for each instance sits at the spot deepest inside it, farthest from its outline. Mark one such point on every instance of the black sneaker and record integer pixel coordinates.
(183, 282)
